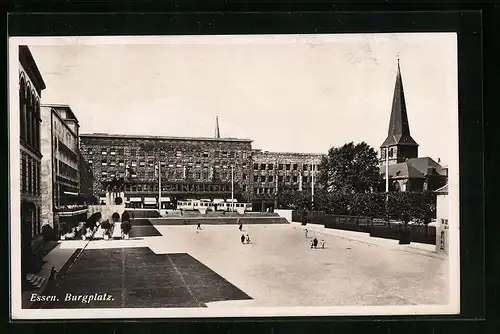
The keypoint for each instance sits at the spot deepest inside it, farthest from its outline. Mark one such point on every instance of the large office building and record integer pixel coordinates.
(61, 200)
(199, 168)
(31, 85)
(407, 171)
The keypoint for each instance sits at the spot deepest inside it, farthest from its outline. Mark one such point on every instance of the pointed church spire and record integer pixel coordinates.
(217, 133)
(399, 128)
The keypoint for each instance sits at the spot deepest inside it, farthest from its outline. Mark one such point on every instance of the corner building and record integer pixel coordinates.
(31, 85)
(60, 166)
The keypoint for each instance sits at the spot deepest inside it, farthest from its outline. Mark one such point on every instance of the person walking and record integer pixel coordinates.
(306, 232)
(248, 239)
(243, 239)
(199, 226)
(323, 243)
(315, 242)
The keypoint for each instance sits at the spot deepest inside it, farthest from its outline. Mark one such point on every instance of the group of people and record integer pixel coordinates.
(315, 242)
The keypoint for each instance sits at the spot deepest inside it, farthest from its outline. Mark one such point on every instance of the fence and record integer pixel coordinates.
(418, 233)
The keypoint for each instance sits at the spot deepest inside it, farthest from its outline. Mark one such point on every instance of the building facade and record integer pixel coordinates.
(192, 168)
(399, 151)
(61, 201)
(189, 167)
(273, 171)
(31, 85)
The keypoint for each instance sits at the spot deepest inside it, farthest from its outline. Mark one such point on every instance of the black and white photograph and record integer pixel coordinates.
(234, 175)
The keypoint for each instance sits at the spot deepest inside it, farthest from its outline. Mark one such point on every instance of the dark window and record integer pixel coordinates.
(287, 166)
(262, 179)
(262, 166)
(280, 179)
(288, 178)
(280, 167)
(255, 178)
(305, 167)
(295, 166)
(255, 166)
(271, 178)
(295, 179)
(270, 166)
(244, 176)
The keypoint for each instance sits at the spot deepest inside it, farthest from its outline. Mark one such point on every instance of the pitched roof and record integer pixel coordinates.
(399, 128)
(402, 170)
(427, 166)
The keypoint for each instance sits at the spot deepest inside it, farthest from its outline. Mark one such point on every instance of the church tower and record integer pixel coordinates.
(399, 144)
(217, 132)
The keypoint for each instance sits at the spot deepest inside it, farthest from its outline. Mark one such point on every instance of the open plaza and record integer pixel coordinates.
(183, 266)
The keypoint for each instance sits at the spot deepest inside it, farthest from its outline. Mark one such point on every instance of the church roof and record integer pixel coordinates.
(399, 129)
(416, 168)
(427, 166)
(402, 170)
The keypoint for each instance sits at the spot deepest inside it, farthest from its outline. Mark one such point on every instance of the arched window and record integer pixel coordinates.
(37, 124)
(22, 108)
(29, 120)
(33, 121)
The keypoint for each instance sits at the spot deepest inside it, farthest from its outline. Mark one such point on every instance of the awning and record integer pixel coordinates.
(149, 200)
(135, 199)
(165, 199)
(70, 193)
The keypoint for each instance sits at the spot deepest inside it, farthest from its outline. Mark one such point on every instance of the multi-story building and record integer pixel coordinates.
(399, 151)
(189, 167)
(273, 171)
(203, 168)
(31, 85)
(61, 200)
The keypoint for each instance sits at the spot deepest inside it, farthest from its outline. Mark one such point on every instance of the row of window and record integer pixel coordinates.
(263, 190)
(138, 152)
(122, 163)
(67, 171)
(29, 114)
(257, 166)
(281, 179)
(179, 187)
(171, 174)
(30, 176)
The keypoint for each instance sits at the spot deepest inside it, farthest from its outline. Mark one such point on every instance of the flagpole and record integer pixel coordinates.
(232, 188)
(387, 184)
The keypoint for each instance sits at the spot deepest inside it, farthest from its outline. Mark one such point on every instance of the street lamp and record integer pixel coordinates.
(232, 188)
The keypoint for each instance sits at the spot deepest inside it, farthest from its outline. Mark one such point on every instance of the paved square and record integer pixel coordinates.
(278, 268)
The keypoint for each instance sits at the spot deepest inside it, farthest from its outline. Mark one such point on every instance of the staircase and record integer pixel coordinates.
(35, 282)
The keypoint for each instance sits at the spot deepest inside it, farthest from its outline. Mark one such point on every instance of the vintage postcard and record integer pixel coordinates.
(234, 176)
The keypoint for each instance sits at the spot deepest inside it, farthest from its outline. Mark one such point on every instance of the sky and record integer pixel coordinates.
(288, 93)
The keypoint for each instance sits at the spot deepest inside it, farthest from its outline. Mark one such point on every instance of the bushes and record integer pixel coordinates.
(115, 217)
(118, 201)
(126, 226)
(419, 207)
(125, 216)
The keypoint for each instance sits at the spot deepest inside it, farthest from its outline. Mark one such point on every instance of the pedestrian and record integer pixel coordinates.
(240, 227)
(306, 232)
(199, 226)
(242, 238)
(315, 242)
(323, 243)
(248, 239)
(312, 244)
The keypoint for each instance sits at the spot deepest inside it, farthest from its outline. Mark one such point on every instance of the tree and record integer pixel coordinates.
(351, 168)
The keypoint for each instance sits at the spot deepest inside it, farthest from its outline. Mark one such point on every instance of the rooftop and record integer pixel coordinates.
(67, 108)
(146, 137)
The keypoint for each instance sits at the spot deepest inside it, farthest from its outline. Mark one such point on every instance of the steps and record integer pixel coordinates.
(35, 282)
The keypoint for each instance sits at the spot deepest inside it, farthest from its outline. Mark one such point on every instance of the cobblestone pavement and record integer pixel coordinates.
(278, 268)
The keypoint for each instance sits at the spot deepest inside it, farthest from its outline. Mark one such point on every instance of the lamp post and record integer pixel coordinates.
(232, 188)
(276, 184)
(312, 185)
(159, 185)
